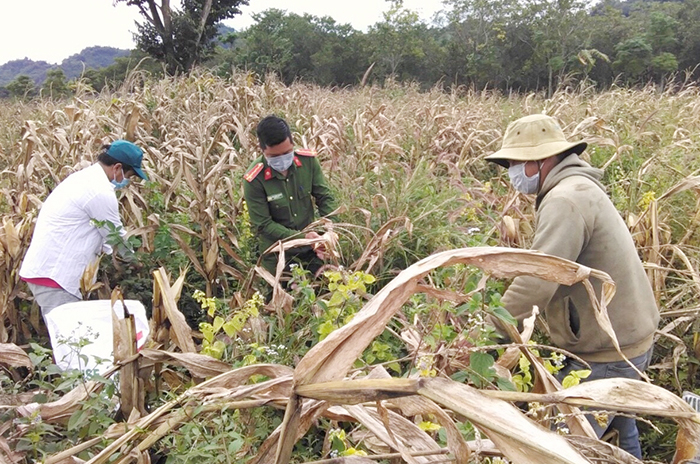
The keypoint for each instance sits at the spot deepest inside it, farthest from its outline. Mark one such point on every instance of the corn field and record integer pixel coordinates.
(424, 220)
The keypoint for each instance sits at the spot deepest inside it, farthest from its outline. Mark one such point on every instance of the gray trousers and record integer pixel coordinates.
(48, 298)
(625, 426)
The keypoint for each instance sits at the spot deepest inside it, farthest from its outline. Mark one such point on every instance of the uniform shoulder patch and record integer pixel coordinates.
(306, 152)
(254, 171)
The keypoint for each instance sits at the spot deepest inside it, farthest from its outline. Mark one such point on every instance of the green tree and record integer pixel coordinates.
(55, 85)
(342, 57)
(588, 59)
(662, 36)
(663, 64)
(476, 41)
(553, 33)
(302, 47)
(633, 58)
(181, 38)
(397, 38)
(688, 39)
(618, 27)
(22, 87)
(266, 48)
(662, 32)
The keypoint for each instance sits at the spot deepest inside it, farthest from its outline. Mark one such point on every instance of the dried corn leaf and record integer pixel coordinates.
(12, 239)
(212, 253)
(401, 434)
(599, 451)
(230, 379)
(308, 412)
(692, 182)
(199, 365)
(181, 332)
(132, 121)
(364, 390)
(416, 405)
(120, 336)
(8, 454)
(545, 381)
(281, 300)
(348, 460)
(60, 411)
(236, 377)
(520, 439)
(190, 253)
(88, 280)
(14, 356)
(631, 396)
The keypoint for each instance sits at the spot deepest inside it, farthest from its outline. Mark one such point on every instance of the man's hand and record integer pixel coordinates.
(319, 248)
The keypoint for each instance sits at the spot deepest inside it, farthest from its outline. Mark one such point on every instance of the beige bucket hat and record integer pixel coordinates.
(533, 138)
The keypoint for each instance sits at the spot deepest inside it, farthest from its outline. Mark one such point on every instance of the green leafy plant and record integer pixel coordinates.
(574, 378)
(231, 325)
(39, 438)
(346, 291)
(340, 446)
(117, 239)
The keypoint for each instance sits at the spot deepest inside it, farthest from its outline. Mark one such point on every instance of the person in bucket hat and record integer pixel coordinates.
(576, 220)
(69, 233)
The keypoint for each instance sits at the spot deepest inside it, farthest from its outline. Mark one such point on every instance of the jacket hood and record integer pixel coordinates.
(572, 165)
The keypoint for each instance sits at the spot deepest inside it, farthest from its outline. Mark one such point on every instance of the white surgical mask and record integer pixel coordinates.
(282, 162)
(521, 181)
(122, 184)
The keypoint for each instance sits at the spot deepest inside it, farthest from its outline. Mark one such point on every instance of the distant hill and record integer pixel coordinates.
(34, 69)
(91, 57)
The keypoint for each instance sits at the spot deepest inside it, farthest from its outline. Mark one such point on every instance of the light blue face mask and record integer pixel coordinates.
(282, 162)
(120, 185)
(521, 182)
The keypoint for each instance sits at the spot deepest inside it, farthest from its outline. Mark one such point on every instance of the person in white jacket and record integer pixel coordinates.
(69, 233)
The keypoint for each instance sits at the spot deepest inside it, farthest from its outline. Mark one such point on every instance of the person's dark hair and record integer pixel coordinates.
(107, 160)
(273, 131)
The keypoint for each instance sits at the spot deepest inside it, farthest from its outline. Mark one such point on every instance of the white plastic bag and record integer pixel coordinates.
(81, 333)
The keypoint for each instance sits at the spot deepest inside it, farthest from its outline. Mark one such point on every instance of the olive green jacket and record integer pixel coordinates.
(576, 220)
(279, 206)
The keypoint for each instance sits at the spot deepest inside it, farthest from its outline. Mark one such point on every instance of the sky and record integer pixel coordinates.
(52, 30)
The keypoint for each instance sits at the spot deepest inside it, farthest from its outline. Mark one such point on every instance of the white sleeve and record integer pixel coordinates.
(105, 207)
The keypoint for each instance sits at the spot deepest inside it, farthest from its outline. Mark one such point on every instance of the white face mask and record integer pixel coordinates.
(120, 185)
(282, 162)
(521, 182)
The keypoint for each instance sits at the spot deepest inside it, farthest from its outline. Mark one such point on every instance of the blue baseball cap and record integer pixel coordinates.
(129, 154)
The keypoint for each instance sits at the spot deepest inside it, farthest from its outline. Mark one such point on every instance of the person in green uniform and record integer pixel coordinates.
(280, 188)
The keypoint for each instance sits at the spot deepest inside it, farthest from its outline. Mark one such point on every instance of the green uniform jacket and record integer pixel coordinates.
(280, 206)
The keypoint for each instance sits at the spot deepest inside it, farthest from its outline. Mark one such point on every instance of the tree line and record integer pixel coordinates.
(519, 45)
